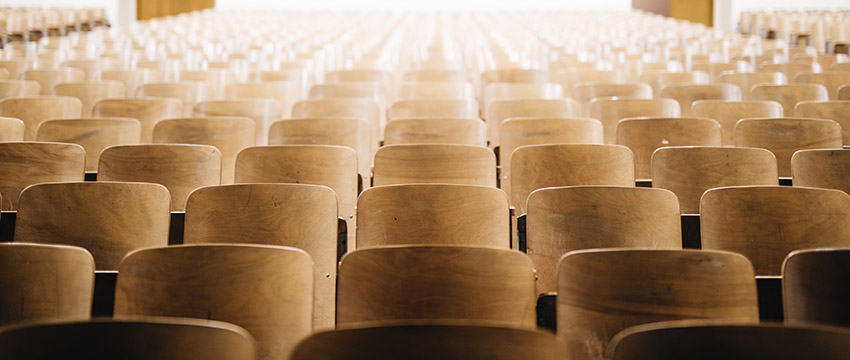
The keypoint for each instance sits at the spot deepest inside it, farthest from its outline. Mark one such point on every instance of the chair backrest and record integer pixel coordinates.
(33, 110)
(844, 92)
(268, 290)
(434, 163)
(28, 163)
(48, 78)
(714, 70)
(109, 219)
(384, 284)
(658, 79)
(707, 340)
(596, 217)
(839, 111)
(147, 110)
(297, 215)
(540, 166)
(689, 171)
(89, 92)
(784, 136)
(831, 80)
(603, 291)
(821, 168)
(19, 88)
(436, 91)
(11, 129)
(286, 93)
(513, 75)
(435, 75)
(611, 111)
(789, 95)
(501, 110)
(132, 79)
(443, 108)
(811, 286)
(94, 135)
(727, 113)
(263, 111)
(585, 92)
(130, 339)
(765, 223)
(229, 134)
(361, 109)
(433, 214)
(188, 92)
(569, 79)
(44, 283)
(644, 135)
(746, 80)
(686, 94)
(518, 91)
(215, 79)
(181, 168)
(791, 69)
(424, 130)
(450, 341)
(385, 78)
(350, 90)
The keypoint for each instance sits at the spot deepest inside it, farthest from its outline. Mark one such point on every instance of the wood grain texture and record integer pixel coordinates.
(784, 136)
(714, 69)
(350, 90)
(131, 339)
(286, 93)
(523, 131)
(33, 110)
(48, 78)
(301, 216)
(460, 90)
(180, 168)
(658, 79)
(602, 292)
(263, 111)
(611, 111)
(765, 223)
(268, 290)
(44, 283)
(90, 92)
(746, 80)
(644, 135)
(689, 171)
(94, 135)
(19, 88)
(686, 94)
(132, 79)
(109, 219)
(811, 287)
(501, 110)
(442, 108)
(433, 214)
(585, 92)
(380, 285)
(540, 166)
(434, 163)
(147, 110)
(705, 340)
(821, 168)
(188, 92)
(27, 163)
(11, 129)
(831, 80)
(838, 111)
(438, 341)
(563, 219)
(727, 113)
(789, 95)
(436, 130)
(790, 69)
(517, 91)
(361, 109)
(228, 134)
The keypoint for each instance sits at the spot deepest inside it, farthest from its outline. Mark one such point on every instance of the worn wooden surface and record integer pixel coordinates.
(456, 131)
(148, 111)
(11, 129)
(789, 95)
(611, 111)
(812, 290)
(94, 135)
(784, 136)
(838, 111)
(644, 135)
(263, 111)
(686, 94)
(188, 92)
(727, 113)
(821, 168)
(501, 110)
(831, 80)
(585, 92)
(438, 108)
(33, 110)
(28, 163)
(746, 81)
(90, 92)
(434, 163)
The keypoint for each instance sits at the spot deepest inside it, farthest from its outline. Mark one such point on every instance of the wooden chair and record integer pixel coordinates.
(147, 110)
(686, 94)
(746, 81)
(449, 341)
(130, 339)
(44, 283)
(789, 95)
(501, 110)
(821, 168)
(704, 340)
(714, 70)
(350, 90)
(436, 91)
(838, 110)
(658, 79)
(540, 166)
(584, 93)
(644, 135)
(90, 92)
(48, 78)
(603, 291)
(33, 110)
(436, 131)
(611, 111)
(19, 88)
(831, 80)
(297, 215)
(268, 290)
(433, 214)
(28, 163)
(765, 223)
(784, 136)
(434, 163)
(361, 109)
(811, 286)
(844, 92)
(404, 109)
(513, 75)
(286, 93)
(132, 79)
(791, 69)
(727, 113)
(229, 134)
(215, 79)
(569, 79)
(94, 135)
(108, 219)
(385, 78)
(15, 67)
(435, 75)
(189, 93)
(180, 168)
(563, 219)
(436, 283)
(93, 68)
(518, 91)
(263, 111)
(689, 171)
(11, 129)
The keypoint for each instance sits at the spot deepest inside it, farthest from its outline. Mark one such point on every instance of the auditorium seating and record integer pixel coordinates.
(611, 111)
(34, 110)
(434, 163)
(436, 130)
(821, 168)
(29, 163)
(727, 113)
(147, 110)
(784, 136)
(94, 135)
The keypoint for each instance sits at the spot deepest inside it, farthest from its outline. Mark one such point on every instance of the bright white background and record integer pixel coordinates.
(424, 4)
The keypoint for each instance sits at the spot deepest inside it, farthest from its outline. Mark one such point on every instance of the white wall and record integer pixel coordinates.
(119, 12)
(423, 5)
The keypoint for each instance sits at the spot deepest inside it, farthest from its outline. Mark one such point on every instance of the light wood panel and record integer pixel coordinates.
(28, 163)
(94, 135)
(784, 136)
(34, 110)
(434, 163)
(644, 135)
